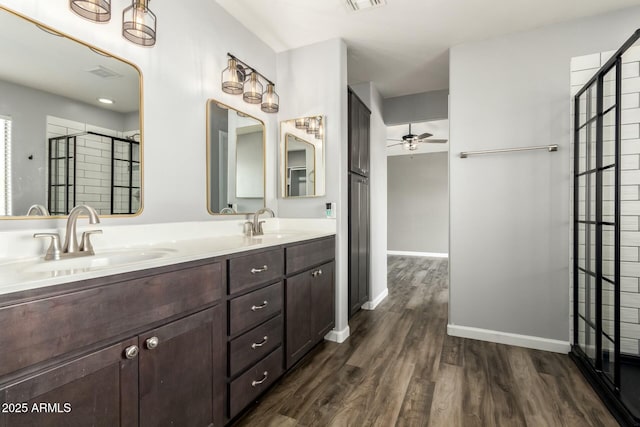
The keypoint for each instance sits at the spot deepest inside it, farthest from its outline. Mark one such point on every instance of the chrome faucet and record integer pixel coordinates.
(37, 210)
(71, 248)
(255, 227)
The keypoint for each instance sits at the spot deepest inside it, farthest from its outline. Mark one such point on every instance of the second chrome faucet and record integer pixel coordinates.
(255, 227)
(71, 248)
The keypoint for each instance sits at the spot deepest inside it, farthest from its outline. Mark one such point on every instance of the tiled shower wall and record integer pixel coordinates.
(582, 69)
(93, 166)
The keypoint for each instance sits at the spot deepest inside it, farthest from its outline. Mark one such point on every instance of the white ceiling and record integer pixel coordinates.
(403, 47)
(31, 57)
(438, 128)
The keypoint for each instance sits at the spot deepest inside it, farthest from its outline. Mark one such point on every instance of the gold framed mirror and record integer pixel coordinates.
(302, 163)
(70, 124)
(235, 161)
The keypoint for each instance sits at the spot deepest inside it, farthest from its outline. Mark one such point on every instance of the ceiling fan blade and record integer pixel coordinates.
(393, 145)
(435, 141)
(394, 139)
(425, 135)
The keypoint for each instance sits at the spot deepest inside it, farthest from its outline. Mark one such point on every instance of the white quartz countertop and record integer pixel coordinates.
(124, 249)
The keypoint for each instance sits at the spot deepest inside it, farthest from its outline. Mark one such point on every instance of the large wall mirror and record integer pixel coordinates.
(70, 124)
(235, 161)
(302, 169)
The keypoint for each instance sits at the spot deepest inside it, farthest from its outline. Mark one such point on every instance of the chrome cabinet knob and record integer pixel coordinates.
(131, 352)
(152, 342)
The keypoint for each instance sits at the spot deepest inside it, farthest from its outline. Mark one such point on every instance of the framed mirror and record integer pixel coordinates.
(302, 164)
(235, 161)
(70, 124)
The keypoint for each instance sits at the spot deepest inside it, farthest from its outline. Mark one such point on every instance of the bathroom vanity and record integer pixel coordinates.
(190, 343)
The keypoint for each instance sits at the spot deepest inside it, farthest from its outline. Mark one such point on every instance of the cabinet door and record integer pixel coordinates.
(298, 303)
(100, 389)
(363, 136)
(322, 301)
(354, 133)
(363, 245)
(178, 363)
(354, 243)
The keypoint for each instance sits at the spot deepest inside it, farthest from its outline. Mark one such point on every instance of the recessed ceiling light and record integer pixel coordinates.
(356, 5)
(106, 101)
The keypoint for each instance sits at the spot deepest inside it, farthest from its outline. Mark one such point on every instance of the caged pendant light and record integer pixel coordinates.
(93, 10)
(139, 23)
(240, 78)
(252, 89)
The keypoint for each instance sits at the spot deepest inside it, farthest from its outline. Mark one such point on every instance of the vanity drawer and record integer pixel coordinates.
(252, 383)
(251, 270)
(254, 345)
(302, 256)
(254, 308)
(39, 330)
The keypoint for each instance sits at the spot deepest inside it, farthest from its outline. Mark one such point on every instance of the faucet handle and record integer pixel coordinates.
(248, 231)
(85, 242)
(54, 251)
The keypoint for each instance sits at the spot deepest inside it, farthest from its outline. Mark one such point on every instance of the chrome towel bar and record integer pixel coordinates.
(549, 148)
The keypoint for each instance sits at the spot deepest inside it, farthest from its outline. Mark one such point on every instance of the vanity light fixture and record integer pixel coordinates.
(139, 23)
(302, 123)
(93, 10)
(320, 132)
(240, 78)
(313, 126)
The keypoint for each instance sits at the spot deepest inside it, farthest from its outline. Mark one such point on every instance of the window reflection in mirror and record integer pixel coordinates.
(235, 161)
(74, 124)
(302, 169)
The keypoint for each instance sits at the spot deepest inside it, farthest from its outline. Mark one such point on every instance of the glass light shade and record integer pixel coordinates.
(233, 78)
(94, 10)
(313, 125)
(301, 123)
(320, 132)
(270, 99)
(139, 23)
(252, 89)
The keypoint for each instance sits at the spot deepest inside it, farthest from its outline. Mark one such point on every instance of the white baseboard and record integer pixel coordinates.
(371, 305)
(338, 336)
(526, 341)
(424, 254)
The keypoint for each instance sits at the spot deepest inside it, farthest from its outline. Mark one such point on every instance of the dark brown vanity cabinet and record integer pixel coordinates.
(168, 372)
(310, 296)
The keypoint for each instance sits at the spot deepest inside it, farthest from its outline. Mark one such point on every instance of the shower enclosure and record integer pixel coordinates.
(606, 232)
(91, 168)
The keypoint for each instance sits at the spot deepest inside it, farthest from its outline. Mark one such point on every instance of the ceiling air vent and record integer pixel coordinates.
(104, 72)
(356, 5)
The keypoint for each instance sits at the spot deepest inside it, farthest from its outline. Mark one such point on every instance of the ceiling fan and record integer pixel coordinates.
(410, 141)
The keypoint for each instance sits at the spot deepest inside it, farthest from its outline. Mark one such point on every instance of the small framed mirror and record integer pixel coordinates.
(235, 161)
(302, 171)
(70, 124)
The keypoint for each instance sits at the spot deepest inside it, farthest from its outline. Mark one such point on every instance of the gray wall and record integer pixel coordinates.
(509, 244)
(418, 203)
(28, 109)
(419, 107)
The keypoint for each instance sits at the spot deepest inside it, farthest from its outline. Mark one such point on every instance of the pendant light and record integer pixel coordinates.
(270, 99)
(240, 78)
(94, 10)
(139, 23)
(252, 89)
(233, 78)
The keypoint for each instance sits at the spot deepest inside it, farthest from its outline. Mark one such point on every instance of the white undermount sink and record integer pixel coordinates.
(108, 259)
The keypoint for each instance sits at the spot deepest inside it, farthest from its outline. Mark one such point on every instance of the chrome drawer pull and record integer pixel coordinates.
(316, 273)
(261, 343)
(259, 307)
(259, 270)
(264, 378)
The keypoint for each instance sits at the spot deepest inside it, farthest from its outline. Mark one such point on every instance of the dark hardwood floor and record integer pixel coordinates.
(399, 368)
